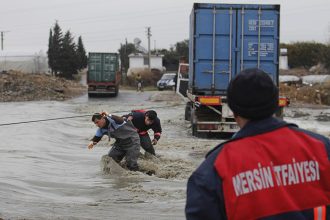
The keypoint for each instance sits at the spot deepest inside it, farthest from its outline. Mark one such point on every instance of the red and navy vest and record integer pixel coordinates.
(276, 172)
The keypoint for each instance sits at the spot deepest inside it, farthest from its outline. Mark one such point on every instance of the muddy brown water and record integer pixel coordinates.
(47, 172)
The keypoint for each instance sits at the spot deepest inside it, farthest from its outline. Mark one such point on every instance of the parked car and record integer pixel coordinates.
(167, 81)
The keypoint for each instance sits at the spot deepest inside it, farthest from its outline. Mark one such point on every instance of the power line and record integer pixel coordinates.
(49, 119)
(114, 18)
(77, 116)
(104, 35)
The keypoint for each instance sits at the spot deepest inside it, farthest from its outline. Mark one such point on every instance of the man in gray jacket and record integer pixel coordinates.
(127, 142)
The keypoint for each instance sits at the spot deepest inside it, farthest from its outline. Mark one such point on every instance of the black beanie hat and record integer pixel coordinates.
(252, 94)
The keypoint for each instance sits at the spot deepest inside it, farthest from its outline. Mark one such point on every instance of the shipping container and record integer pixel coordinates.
(225, 39)
(103, 74)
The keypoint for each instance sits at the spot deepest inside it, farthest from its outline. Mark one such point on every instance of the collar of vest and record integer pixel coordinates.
(256, 127)
(261, 126)
(107, 122)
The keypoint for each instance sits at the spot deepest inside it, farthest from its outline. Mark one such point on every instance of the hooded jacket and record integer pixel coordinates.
(142, 128)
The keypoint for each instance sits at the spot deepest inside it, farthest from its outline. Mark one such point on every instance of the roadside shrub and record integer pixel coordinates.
(149, 78)
(316, 94)
(306, 54)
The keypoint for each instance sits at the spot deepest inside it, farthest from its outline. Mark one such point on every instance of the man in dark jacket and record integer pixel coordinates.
(143, 121)
(269, 170)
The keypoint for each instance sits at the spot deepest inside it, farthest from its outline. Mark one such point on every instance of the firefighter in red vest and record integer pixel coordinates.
(143, 121)
(270, 169)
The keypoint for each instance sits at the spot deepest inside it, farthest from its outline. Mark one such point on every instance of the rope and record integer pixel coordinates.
(49, 119)
(77, 116)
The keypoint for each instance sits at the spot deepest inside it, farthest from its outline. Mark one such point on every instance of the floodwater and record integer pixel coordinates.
(47, 172)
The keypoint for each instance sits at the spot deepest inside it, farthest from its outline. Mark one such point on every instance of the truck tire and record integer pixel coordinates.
(279, 113)
(194, 130)
(116, 91)
(187, 111)
(193, 122)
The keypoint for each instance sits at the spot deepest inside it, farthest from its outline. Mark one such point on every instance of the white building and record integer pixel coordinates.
(284, 59)
(141, 61)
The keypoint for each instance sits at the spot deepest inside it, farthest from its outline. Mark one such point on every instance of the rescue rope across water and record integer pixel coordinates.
(77, 116)
(49, 119)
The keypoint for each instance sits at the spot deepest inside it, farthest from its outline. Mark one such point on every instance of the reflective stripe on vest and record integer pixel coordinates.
(139, 110)
(320, 213)
(143, 132)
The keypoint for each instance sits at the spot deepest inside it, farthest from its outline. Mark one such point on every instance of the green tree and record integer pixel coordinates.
(305, 54)
(326, 57)
(65, 58)
(124, 51)
(172, 56)
(182, 48)
(56, 48)
(68, 57)
(170, 59)
(81, 54)
(50, 51)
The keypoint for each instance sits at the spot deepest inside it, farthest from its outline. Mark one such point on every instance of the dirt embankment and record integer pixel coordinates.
(17, 86)
(317, 94)
(299, 93)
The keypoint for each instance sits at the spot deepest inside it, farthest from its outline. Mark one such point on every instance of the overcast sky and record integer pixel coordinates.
(104, 24)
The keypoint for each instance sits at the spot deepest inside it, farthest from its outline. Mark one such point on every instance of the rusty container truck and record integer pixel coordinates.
(103, 75)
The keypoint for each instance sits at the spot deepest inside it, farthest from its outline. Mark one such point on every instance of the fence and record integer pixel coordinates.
(24, 63)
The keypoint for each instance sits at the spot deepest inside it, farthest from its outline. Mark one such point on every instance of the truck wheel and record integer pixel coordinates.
(116, 91)
(187, 111)
(194, 130)
(279, 113)
(193, 122)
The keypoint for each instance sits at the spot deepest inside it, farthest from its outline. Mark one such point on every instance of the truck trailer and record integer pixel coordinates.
(225, 39)
(103, 75)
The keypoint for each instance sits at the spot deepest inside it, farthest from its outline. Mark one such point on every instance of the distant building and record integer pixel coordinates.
(284, 59)
(139, 62)
(142, 61)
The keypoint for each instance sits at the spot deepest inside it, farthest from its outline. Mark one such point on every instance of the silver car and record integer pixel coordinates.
(167, 81)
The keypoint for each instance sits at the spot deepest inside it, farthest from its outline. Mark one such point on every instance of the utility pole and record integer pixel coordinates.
(121, 64)
(155, 46)
(126, 61)
(149, 51)
(126, 56)
(328, 37)
(2, 34)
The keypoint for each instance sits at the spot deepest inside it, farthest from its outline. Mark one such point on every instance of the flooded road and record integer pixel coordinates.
(47, 172)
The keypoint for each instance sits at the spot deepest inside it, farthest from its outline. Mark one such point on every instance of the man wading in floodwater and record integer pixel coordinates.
(143, 121)
(127, 142)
